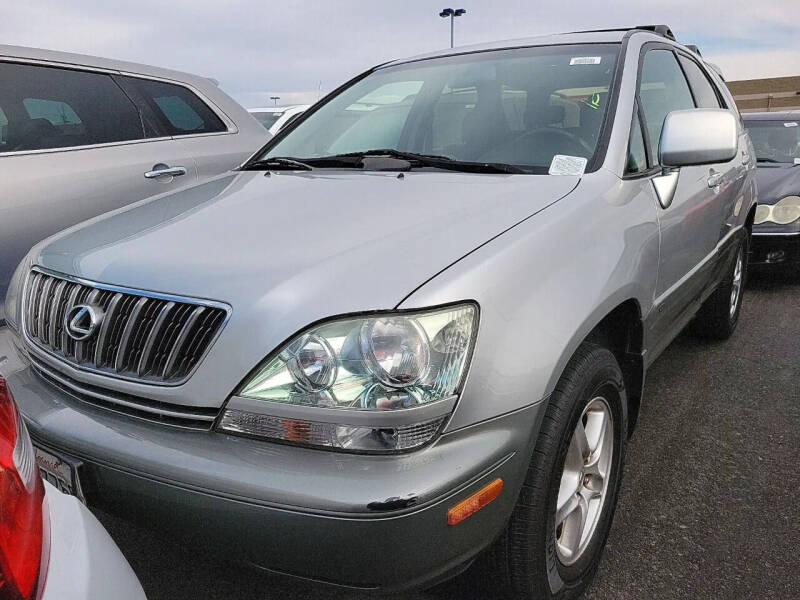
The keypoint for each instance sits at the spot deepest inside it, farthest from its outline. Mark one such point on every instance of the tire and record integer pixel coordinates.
(719, 315)
(528, 561)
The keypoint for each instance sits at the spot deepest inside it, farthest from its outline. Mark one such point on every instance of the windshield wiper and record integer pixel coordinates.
(418, 160)
(277, 162)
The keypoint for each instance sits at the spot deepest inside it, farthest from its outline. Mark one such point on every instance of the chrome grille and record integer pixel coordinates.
(144, 337)
(135, 406)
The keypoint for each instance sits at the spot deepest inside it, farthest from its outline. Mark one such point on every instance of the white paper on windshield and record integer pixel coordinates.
(567, 165)
(790, 124)
(585, 60)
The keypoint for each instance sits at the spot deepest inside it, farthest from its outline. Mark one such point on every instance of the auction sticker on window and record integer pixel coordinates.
(585, 60)
(567, 165)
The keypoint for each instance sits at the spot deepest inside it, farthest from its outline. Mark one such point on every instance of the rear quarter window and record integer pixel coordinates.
(179, 110)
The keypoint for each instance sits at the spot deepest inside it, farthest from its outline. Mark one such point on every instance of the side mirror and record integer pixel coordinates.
(698, 136)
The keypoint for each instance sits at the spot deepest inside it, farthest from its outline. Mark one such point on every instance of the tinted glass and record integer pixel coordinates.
(56, 108)
(662, 89)
(519, 107)
(178, 109)
(704, 94)
(3, 129)
(637, 157)
(775, 141)
(267, 119)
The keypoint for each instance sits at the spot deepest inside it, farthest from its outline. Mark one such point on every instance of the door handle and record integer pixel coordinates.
(715, 179)
(162, 170)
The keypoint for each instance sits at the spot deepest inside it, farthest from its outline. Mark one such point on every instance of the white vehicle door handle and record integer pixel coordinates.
(162, 170)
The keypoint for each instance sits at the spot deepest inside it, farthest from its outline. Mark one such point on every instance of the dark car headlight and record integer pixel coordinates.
(377, 383)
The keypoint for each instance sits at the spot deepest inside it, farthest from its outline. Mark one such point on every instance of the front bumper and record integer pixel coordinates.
(768, 249)
(361, 521)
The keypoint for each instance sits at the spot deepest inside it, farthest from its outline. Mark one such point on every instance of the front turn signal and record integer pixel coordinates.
(467, 508)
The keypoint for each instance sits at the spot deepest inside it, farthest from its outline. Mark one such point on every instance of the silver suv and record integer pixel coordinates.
(81, 135)
(413, 328)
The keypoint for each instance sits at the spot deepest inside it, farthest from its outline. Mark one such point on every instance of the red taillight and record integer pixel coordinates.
(23, 556)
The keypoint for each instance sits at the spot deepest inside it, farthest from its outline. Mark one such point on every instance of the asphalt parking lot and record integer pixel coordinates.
(709, 501)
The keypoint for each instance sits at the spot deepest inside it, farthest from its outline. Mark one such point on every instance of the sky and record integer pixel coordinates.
(299, 50)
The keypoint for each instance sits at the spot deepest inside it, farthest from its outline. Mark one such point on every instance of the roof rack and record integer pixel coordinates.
(662, 30)
(694, 49)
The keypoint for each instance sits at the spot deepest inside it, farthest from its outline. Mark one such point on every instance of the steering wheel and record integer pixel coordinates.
(564, 134)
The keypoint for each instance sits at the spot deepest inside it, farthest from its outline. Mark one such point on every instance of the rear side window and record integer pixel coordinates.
(662, 89)
(47, 108)
(178, 109)
(704, 94)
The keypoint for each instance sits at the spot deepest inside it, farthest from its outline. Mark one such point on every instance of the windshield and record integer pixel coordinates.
(519, 107)
(775, 141)
(267, 119)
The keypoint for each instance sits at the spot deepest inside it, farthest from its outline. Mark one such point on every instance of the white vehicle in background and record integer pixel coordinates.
(51, 546)
(277, 117)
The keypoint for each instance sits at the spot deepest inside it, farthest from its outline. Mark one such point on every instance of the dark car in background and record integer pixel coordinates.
(776, 231)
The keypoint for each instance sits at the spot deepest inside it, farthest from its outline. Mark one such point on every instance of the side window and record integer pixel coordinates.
(3, 129)
(662, 89)
(637, 157)
(178, 109)
(704, 94)
(46, 108)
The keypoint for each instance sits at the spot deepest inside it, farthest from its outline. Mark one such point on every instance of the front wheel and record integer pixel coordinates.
(719, 315)
(554, 540)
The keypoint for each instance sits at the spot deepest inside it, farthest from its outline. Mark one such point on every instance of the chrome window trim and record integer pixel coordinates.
(222, 115)
(86, 147)
(54, 358)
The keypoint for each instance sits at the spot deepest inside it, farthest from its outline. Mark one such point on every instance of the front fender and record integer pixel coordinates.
(544, 285)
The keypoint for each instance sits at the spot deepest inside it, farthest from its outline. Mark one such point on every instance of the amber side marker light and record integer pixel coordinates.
(467, 508)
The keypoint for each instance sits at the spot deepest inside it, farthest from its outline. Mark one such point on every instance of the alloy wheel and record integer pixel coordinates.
(584, 481)
(736, 285)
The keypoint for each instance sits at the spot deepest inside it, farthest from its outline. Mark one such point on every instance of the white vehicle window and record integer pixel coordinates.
(47, 107)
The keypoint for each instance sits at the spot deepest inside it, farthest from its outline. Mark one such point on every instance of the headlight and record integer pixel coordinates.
(380, 383)
(783, 212)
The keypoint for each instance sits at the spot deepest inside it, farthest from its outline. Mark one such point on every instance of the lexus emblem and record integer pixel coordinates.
(81, 321)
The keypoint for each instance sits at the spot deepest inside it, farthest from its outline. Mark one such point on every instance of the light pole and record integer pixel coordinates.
(452, 13)
(275, 99)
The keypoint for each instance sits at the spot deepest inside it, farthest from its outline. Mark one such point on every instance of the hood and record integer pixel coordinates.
(289, 249)
(244, 239)
(776, 182)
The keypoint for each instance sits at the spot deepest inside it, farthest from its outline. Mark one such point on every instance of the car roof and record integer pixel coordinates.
(608, 36)
(772, 116)
(96, 62)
